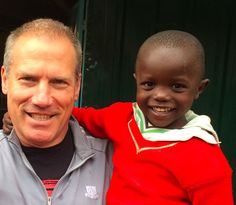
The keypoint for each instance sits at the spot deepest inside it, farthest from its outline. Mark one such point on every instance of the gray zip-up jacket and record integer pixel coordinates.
(84, 183)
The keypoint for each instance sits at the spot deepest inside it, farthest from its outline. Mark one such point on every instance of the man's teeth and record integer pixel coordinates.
(161, 109)
(40, 117)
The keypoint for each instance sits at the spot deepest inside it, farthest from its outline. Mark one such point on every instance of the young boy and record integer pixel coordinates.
(164, 153)
(161, 156)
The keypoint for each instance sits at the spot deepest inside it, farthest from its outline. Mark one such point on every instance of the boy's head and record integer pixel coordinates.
(169, 75)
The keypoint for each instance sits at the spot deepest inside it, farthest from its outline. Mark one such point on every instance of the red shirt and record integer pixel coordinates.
(192, 172)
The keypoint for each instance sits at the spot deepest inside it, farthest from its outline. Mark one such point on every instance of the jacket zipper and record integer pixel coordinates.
(49, 200)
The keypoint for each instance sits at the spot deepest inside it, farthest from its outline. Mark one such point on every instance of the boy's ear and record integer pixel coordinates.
(202, 86)
(134, 75)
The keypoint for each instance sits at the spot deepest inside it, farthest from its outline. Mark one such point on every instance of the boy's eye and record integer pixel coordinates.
(147, 85)
(178, 87)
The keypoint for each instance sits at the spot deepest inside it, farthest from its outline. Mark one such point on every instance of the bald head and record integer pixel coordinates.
(175, 39)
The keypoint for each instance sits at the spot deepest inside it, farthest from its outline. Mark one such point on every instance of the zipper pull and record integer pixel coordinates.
(49, 200)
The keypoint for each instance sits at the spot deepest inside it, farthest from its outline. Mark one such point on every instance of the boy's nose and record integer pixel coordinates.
(161, 93)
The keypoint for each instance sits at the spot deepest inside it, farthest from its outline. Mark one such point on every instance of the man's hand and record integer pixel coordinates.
(7, 124)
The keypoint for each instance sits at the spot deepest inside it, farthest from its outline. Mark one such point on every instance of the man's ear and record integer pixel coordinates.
(202, 86)
(77, 88)
(134, 75)
(4, 80)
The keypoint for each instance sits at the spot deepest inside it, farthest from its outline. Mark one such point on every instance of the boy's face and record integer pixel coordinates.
(168, 81)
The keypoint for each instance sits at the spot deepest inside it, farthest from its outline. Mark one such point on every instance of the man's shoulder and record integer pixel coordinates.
(2, 136)
(4, 142)
(96, 144)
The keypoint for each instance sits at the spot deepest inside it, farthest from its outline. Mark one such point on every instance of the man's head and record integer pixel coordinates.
(169, 74)
(41, 78)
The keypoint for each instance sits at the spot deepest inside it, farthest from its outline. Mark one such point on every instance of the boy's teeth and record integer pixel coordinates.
(160, 109)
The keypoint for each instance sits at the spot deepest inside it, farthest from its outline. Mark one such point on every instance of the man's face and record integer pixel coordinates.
(41, 89)
(168, 81)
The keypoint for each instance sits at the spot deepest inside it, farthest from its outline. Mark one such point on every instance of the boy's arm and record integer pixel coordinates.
(92, 119)
(217, 192)
(207, 174)
(7, 124)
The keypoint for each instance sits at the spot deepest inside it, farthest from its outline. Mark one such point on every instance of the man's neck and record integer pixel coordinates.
(52, 162)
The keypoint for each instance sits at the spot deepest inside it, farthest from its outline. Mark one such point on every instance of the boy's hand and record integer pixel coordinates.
(7, 124)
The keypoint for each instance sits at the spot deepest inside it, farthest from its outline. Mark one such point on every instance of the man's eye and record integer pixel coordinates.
(27, 79)
(59, 83)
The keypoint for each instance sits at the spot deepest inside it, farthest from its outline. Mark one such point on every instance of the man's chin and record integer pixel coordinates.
(40, 139)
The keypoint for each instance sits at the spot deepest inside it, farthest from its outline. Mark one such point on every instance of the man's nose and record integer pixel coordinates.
(42, 96)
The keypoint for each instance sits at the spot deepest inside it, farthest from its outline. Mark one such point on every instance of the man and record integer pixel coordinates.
(48, 158)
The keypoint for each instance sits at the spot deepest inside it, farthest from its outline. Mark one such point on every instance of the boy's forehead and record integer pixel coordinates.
(155, 52)
(156, 56)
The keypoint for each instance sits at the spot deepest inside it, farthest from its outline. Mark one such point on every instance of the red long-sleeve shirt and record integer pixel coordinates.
(158, 173)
